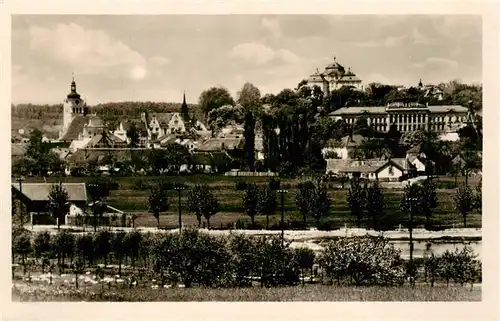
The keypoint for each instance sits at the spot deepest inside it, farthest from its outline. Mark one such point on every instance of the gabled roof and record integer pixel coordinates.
(40, 191)
(77, 125)
(163, 118)
(218, 144)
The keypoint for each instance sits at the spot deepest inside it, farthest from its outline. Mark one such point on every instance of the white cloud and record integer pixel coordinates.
(436, 64)
(272, 26)
(87, 51)
(258, 54)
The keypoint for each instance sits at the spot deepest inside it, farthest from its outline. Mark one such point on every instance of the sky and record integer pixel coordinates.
(158, 58)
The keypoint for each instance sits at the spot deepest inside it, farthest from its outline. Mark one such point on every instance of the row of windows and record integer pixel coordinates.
(410, 118)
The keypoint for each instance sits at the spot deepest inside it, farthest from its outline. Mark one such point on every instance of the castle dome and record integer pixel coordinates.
(73, 94)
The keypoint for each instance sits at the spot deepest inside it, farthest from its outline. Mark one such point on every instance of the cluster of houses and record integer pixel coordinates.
(85, 137)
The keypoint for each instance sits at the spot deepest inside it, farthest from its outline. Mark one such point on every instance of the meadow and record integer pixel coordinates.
(131, 197)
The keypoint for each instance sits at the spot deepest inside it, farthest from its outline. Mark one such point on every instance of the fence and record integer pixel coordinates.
(259, 174)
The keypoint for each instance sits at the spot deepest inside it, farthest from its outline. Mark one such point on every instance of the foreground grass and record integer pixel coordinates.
(296, 293)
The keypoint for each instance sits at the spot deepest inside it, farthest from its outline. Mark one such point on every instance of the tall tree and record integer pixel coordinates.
(304, 200)
(249, 135)
(356, 199)
(428, 201)
(213, 98)
(251, 201)
(464, 201)
(58, 203)
(202, 202)
(267, 202)
(133, 135)
(157, 202)
(320, 203)
(375, 204)
(249, 98)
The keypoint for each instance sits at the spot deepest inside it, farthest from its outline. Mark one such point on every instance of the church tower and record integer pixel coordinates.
(73, 105)
(184, 109)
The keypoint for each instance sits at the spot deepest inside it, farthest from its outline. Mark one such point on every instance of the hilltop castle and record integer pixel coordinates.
(334, 77)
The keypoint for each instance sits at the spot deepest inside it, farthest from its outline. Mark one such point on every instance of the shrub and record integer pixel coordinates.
(363, 260)
(327, 225)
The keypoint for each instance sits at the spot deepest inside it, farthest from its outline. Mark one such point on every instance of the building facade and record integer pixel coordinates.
(406, 117)
(334, 77)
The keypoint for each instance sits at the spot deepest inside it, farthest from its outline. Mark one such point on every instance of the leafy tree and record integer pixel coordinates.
(21, 245)
(203, 203)
(305, 258)
(64, 245)
(249, 98)
(428, 201)
(356, 198)
(464, 201)
(132, 245)
(251, 201)
(157, 202)
(58, 203)
(85, 248)
(375, 204)
(304, 200)
(267, 202)
(42, 247)
(102, 245)
(213, 98)
(118, 248)
(176, 155)
(321, 202)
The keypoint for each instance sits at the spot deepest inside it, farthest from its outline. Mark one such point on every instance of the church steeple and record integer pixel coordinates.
(184, 108)
(73, 94)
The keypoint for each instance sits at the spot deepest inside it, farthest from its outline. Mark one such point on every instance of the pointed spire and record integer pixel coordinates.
(334, 57)
(184, 98)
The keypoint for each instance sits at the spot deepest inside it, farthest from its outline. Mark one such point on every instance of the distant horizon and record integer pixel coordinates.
(151, 58)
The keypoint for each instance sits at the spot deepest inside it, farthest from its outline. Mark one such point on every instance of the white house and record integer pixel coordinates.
(372, 169)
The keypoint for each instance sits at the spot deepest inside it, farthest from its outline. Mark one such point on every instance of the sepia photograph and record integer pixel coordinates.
(246, 157)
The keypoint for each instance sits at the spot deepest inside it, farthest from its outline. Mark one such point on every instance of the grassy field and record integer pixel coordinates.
(133, 200)
(296, 293)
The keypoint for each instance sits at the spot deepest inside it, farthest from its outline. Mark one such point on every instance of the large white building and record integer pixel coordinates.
(334, 77)
(406, 117)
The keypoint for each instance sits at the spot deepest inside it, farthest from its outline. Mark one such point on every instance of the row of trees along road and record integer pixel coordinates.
(312, 200)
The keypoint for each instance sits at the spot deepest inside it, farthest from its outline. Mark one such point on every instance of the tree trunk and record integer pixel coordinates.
(267, 221)
(253, 220)
(208, 223)
(317, 222)
(467, 178)
(305, 221)
(465, 220)
(158, 220)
